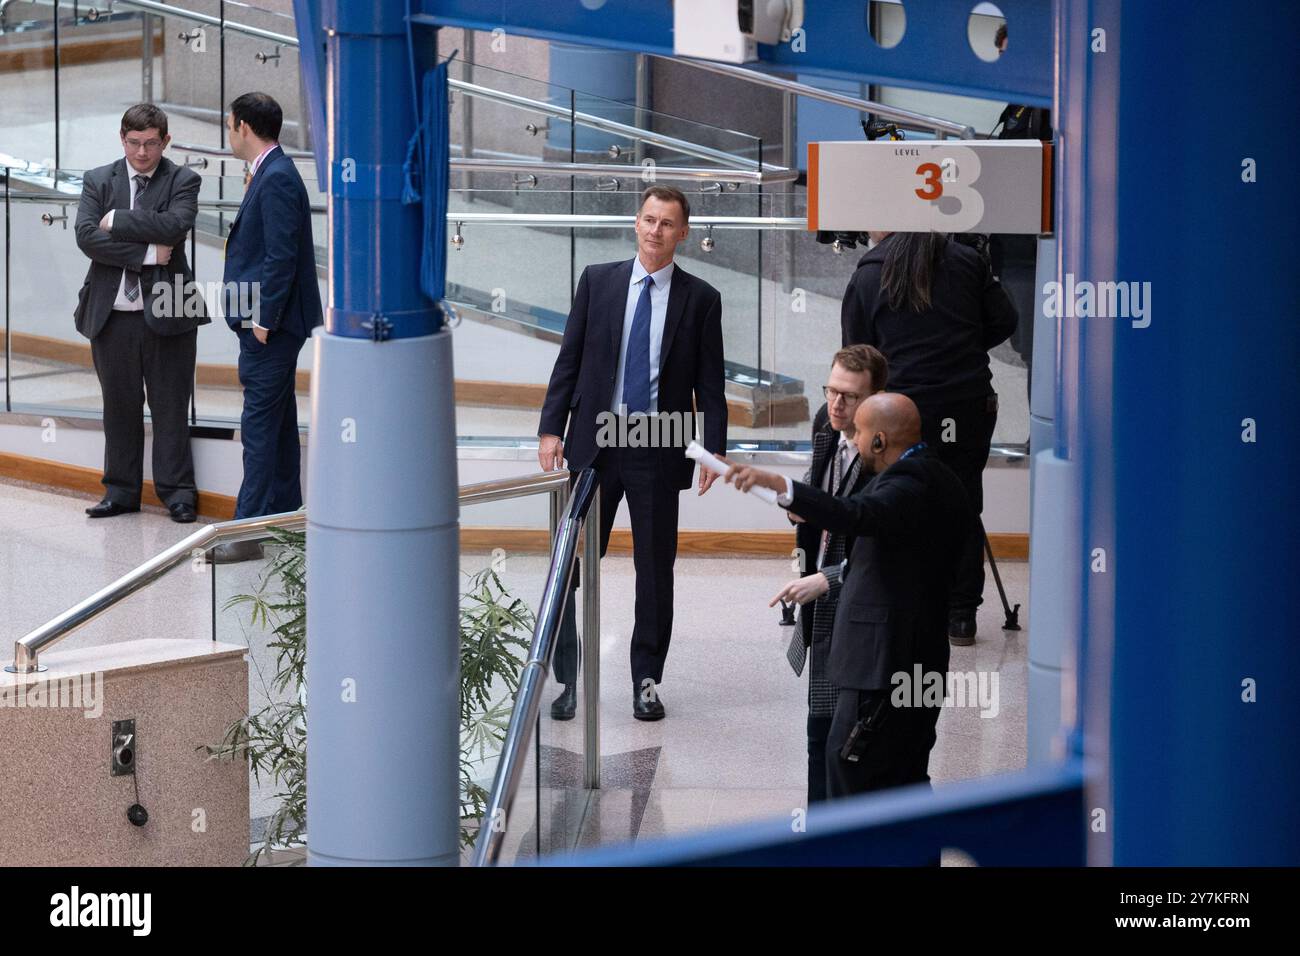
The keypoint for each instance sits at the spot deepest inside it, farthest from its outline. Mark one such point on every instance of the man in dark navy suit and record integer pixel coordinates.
(643, 338)
(272, 304)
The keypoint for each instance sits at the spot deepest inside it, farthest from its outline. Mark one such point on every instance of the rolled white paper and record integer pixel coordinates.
(710, 461)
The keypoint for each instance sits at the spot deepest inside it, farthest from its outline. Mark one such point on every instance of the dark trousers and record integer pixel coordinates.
(819, 729)
(971, 428)
(134, 362)
(897, 752)
(269, 425)
(652, 507)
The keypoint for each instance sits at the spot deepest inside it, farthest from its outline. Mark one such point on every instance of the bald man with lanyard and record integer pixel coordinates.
(905, 532)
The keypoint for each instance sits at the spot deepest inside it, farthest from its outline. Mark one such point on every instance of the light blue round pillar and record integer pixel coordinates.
(382, 534)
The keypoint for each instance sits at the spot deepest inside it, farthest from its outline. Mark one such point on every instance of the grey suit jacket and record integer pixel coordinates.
(164, 216)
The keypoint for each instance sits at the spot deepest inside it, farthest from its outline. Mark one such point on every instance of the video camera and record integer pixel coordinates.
(839, 241)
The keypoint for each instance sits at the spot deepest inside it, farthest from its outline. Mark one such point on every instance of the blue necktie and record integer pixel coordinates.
(636, 367)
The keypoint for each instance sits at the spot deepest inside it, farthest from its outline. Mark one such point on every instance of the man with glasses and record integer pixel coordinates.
(141, 312)
(856, 372)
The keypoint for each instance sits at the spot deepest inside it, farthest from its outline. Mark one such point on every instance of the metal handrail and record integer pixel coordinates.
(681, 173)
(87, 5)
(167, 9)
(580, 220)
(551, 220)
(908, 118)
(528, 700)
(593, 121)
(64, 199)
(225, 152)
(27, 648)
(546, 167)
(499, 489)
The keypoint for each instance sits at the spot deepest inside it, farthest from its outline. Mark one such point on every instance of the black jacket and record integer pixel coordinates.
(939, 356)
(164, 216)
(690, 365)
(907, 528)
(1024, 122)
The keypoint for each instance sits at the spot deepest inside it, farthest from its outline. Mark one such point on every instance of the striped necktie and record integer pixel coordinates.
(132, 276)
(837, 475)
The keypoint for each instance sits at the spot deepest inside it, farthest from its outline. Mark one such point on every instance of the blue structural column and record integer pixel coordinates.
(382, 535)
(1182, 423)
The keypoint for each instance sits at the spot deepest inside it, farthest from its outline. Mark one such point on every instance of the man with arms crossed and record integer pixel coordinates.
(134, 217)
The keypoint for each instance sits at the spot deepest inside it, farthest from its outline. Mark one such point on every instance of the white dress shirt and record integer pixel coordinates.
(122, 303)
(252, 170)
(663, 280)
(846, 451)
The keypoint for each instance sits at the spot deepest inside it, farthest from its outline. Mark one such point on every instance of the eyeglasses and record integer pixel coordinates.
(149, 144)
(850, 398)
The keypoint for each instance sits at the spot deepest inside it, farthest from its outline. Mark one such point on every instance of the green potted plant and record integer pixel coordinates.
(495, 632)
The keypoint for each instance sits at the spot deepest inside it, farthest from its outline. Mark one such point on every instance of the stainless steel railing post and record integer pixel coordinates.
(591, 646)
(523, 719)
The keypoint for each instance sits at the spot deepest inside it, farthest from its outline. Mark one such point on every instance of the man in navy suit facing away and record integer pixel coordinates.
(272, 304)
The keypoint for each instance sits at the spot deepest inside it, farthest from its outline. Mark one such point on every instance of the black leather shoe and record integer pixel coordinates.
(961, 629)
(646, 704)
(566, 705)
(110, 509)
(235, 552)
(181, 512)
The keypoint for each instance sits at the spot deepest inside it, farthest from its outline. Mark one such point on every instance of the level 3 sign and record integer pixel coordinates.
(989, 186)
